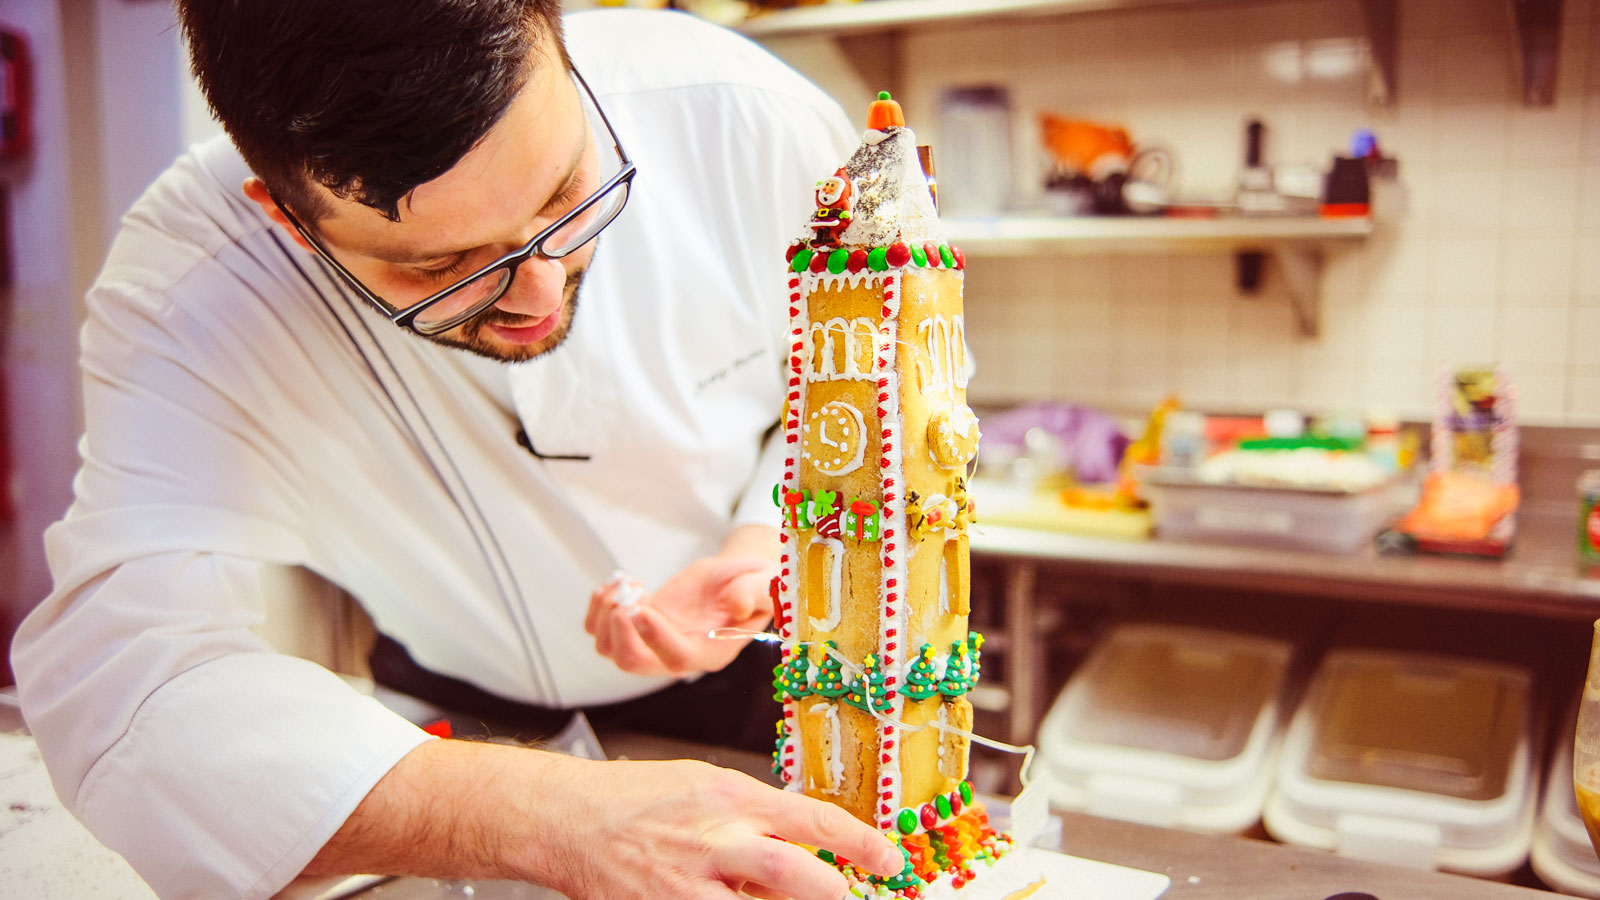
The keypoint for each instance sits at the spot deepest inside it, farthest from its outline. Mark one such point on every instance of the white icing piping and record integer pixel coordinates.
(943, 339)
(850, 419)
(835, 584)
(844, 279)
(835, 748)
(822, 364)
(958, 351)
(944, 590)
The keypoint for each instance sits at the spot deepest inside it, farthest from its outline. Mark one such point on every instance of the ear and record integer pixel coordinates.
(256, 190)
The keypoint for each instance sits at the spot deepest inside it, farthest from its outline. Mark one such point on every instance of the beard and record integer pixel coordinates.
(475, 337)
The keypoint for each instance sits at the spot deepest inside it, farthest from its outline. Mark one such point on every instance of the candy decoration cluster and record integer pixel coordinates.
(795, 677)
(861, 519)
(949, 835)
(877, 259)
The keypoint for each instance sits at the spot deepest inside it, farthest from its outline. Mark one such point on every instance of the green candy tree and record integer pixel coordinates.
(869, 690)
(975, 648)
(778, 682)
(777, 751)
(907, 877)
(791, 676)
(922, 681)
(956, 681)
(830, 682)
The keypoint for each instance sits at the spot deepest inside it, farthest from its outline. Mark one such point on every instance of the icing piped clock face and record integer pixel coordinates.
(835, 438)
(953, 436)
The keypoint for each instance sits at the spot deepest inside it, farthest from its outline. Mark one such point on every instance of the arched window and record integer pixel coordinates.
(840, 348)
(824, 581)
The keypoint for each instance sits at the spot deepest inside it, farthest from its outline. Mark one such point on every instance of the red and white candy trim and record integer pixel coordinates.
(789, 563)
(892, 598)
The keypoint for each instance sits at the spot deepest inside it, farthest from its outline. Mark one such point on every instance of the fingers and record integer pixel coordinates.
(757, 622)
(628, 650)
(722, 569)
(596, 615)
(597, 604)
(677, 651)
(619, 597)
(602, 635)
(601, 599)
(799, 818)
(738, 574)
(742, 564)
(773, 868)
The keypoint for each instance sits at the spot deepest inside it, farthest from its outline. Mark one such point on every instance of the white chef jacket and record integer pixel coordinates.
(246, 413)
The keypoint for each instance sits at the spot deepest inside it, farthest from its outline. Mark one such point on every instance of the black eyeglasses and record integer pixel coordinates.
(475, 293)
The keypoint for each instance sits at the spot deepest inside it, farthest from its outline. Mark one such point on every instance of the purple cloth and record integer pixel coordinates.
(1092, 444)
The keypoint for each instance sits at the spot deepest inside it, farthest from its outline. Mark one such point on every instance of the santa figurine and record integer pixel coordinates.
(833, 209)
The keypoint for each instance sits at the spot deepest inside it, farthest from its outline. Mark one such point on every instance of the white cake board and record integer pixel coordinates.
(1066, 878)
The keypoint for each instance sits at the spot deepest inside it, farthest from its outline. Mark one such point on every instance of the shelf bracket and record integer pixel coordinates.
(1384, 44)
(1301, 265)
(1302, 271)
(1537, 44)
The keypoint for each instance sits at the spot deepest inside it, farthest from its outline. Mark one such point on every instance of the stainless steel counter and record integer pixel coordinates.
(1200, 866)
(1541, 576)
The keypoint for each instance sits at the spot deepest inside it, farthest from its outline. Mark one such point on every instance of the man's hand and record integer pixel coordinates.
(665, 633)
(598, 830)
(668, 830)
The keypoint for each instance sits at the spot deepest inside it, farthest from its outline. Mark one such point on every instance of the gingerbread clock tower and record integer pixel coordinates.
(873, 595)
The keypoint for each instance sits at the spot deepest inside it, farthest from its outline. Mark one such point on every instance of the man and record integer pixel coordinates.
(578, 253)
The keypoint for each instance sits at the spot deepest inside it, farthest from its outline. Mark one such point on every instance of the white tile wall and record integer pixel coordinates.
(1494, 256)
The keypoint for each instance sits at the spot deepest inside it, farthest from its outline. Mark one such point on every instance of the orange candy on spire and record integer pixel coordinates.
(885, 113)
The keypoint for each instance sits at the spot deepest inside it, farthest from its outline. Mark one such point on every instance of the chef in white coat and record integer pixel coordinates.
(436, 229)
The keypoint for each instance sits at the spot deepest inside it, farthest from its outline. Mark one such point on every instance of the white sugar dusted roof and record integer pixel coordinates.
(892, 201)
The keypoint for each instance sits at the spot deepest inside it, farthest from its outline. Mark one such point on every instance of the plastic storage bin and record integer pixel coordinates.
(1412, 759)
(1170, 726)
(1562, 855)
(1326, 520)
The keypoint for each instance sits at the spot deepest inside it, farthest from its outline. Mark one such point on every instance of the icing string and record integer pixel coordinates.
(1026, 751)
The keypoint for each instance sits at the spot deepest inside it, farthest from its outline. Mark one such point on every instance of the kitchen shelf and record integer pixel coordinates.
(850, 20)
(1298, 243)
(1022, 235)
(890, 15)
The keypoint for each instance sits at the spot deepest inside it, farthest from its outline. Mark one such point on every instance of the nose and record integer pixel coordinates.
(537, 288)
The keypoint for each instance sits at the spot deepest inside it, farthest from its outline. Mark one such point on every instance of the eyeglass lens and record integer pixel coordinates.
(474, 296)
(477, 294)
(581, 228)
(469, 299)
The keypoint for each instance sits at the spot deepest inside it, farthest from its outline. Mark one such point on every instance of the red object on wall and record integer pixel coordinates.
(16, 88)
(16, 136)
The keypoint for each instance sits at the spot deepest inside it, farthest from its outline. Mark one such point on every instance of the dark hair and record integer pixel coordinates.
(368, 98)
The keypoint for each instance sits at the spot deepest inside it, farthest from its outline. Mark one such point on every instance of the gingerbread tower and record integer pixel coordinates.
(873, 596)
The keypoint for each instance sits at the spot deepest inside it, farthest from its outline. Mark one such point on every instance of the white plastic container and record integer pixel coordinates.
(1328, 520)
(1410, 759)
(1170, 726)
(1562, 855)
